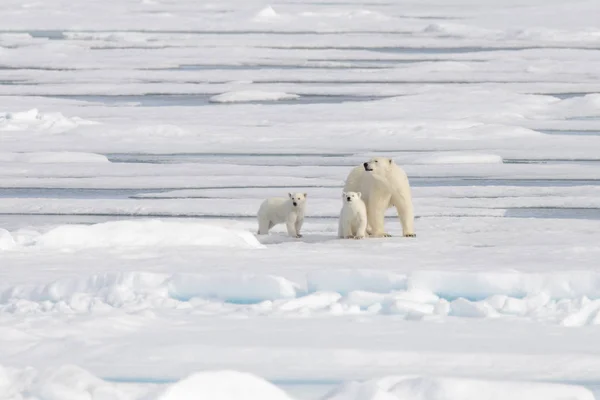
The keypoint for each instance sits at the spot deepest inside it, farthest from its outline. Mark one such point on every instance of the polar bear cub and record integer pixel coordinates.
(279, 210)
(353, 217)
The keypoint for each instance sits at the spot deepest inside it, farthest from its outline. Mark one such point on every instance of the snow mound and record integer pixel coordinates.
(567, 298)
(413, 297)
(33, 120)
(458, 158)
(579, 107)
(114, 289)
(70, 382)
(53, 157)
(223, 385)
(66, 382)
(430, 388)
(6, 240)
(243, 96)
(132, 291)
(266, 14)
(232, 288)
(146, 233)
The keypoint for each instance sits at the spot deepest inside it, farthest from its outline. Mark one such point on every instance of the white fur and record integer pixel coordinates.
(279, 210)
(353, 217)
(384, 187)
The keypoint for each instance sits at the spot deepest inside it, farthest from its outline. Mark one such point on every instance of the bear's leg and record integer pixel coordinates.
(264, 225)
(376, 217)
(298, 225)
(361, 230)
(291, 226)
(404, 208)
(347, 230)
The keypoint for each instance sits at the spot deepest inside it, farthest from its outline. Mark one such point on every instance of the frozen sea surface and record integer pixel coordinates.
(137, 140)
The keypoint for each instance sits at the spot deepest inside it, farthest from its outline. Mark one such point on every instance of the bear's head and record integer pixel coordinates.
(378, 166)
(349, 197)
(298, 199)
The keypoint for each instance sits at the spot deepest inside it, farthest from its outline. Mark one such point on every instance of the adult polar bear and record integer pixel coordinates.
(383, 184)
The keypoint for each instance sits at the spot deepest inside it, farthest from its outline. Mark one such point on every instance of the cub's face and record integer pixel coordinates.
(350, 197)
(378, 165)
(298, 199)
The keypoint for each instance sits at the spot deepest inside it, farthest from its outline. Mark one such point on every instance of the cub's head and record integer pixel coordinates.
(378, 165)
(349, 197)
(298, 199)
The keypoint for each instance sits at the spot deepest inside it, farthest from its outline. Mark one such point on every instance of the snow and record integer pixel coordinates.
(242, 289)
(223, 385)
(251, 95)
(224, 292)
(52, 157)
(348, 281)
(425, 388)
(145, 234)
(6, 240)
(138, 139)
(265, 14)
(69, 382)
(33, 120)
(460, 159)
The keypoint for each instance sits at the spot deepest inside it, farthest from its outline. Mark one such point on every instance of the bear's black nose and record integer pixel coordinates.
(365, 165)
(295, 204)
(348, 198)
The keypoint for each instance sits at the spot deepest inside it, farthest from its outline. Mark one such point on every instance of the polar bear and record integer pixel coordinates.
(277, 210)
(383, 184)
(353, 217)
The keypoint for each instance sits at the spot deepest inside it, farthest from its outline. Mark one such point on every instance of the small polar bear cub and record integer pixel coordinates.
(279, 210)
(353, 217)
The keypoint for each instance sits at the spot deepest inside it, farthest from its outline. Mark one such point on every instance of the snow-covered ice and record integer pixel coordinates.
(422, 388)
(138, 139)
(145, 233)
(52, 157)
(72, 382)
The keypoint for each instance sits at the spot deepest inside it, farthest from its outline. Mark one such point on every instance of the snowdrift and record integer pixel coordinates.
(65, 383)
(557, 298)
(429, 388)
(146, 233)
(70, 382)
(452, 285)
(141, 290)
(223, 385)
(33, 120)
(6, 240)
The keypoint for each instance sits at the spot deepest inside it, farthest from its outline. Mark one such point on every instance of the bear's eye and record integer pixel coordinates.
(376, 161)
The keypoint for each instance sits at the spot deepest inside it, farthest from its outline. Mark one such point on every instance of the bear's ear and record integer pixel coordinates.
(305, 195)
(359, 194)
(391, 161)
(343, 194)
(291, 195)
